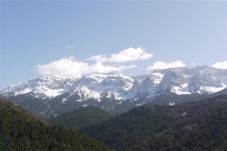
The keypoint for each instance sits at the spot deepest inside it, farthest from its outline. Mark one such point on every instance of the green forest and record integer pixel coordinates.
(199, 126)
(20, 131)
(81, 118)
(194, 126)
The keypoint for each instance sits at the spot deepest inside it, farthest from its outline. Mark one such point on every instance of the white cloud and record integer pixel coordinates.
(166, 65)
(130, 54)
(71, 67)
(220, 65)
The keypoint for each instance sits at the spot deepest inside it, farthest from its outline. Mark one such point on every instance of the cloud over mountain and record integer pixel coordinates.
(71, 67)
(220, 65)
(103, 63)
(126, 55)
(166, 65)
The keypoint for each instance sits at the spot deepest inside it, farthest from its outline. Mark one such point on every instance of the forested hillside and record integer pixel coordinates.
(198, 126)
(20, 131)
(81, 118)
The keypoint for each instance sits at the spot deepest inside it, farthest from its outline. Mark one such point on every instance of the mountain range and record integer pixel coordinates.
(51, 95)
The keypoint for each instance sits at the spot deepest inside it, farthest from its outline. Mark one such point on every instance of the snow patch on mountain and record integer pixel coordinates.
(84, 93)
(50, 93)
(23, 91)
(180, 90)
(158, 77)
(111, 95)
(211, 90)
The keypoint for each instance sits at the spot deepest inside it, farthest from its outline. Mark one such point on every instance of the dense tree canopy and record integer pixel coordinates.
(81, 118)
(20, 131)
(198, 126)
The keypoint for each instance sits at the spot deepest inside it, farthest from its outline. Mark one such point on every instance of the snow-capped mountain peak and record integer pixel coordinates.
(44, 86)
(180, 81)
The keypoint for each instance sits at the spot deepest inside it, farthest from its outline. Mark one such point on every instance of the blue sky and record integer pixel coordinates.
(36, 36)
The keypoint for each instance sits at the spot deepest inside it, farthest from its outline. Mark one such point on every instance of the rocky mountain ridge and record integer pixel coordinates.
(60, 94)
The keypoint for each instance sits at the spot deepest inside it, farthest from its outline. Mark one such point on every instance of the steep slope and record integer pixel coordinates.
(194, 126)
(81, 118)
(19, 131)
